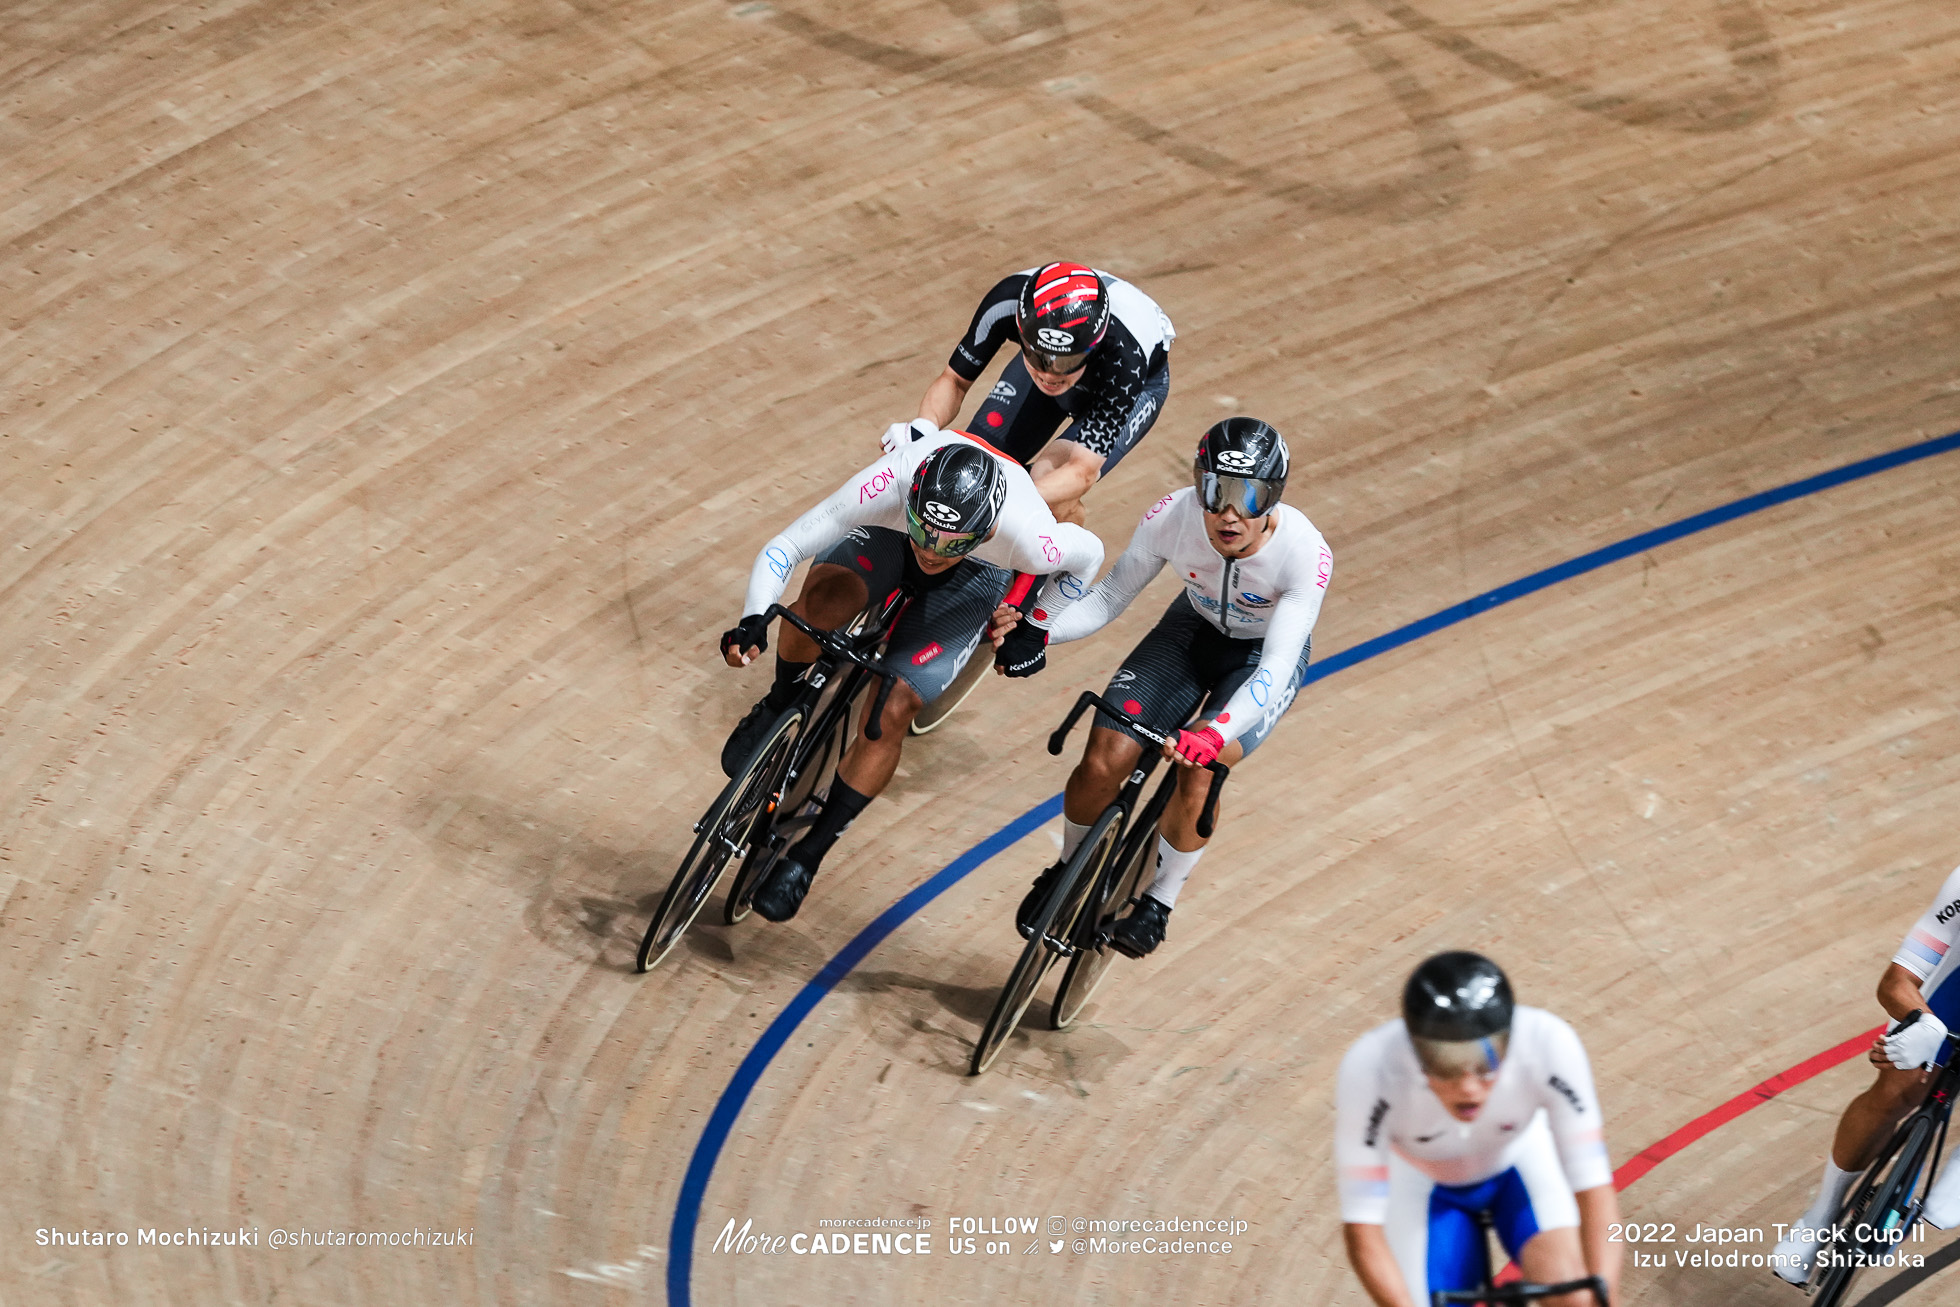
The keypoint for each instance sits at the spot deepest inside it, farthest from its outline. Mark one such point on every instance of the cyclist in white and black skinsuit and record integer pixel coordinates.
(1234, 644)
(1094, 350)
(951, 519)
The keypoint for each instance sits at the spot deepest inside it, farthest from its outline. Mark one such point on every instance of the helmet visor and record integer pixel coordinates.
(1452, 1059)
(1252, 496)
(1055, 365)
(946, 544)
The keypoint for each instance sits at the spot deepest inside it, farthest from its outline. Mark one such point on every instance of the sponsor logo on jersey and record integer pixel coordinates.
(1260, 687)
(1255, 601)
(1142, 414)
(941, 515)
(858, 533)
(1123, 676)
(1375, 1122)
(1050, 338)
(927, 654)
(1945, 914)
(779, 562)
(876, 484)
(1424, 1139)
(1236, 460)
(1003, 390)
(1326, 569)
(1157, 508)
(1049, 549)
(1566, 1092)
(1070, 586)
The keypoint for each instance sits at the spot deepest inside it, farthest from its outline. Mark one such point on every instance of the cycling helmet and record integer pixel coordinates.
(1063, 313)
(955, 499)
(1457, 1007)
(1242, 464)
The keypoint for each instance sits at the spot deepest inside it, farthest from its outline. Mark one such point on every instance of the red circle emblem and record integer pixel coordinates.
(995, 419)
(1132, 707)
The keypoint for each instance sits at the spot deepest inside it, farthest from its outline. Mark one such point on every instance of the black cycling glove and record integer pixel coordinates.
(751, 632)
(1023, 651)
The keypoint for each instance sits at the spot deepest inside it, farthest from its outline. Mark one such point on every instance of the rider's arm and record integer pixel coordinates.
(1135, 569)
(1294, 614)
(1361, 1162)
(874, 497)
(1899, 992)
(1064, 470)
(1071, 556)
(1599, 1212)
(1374, 1261)
(943, 398)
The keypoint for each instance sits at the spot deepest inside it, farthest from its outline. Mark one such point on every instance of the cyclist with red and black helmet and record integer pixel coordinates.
(949, 518)
(1094, 352)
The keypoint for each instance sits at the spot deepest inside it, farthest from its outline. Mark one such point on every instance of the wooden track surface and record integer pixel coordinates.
(396, 394)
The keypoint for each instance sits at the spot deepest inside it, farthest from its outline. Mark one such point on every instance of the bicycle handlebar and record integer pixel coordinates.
(1089, 698)
(839, 646)
(1521, 1292)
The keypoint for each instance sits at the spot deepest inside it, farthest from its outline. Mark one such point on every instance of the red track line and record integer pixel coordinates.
(1654, 1154)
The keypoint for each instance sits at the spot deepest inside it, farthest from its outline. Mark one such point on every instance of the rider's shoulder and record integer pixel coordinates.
(1535, 1029)
(1383, 1048)
(1169, 506)
(1947, 901)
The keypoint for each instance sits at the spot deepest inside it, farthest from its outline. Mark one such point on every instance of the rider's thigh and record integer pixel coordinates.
(831, 596)
(1555, 1255)
(900, 709)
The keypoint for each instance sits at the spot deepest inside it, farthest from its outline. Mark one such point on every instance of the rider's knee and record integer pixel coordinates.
(903, 705)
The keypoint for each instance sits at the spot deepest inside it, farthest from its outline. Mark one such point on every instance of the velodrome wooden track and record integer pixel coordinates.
(395, 394)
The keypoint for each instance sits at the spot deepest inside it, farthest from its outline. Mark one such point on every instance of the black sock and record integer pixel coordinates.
(784, 689)
(839, 811)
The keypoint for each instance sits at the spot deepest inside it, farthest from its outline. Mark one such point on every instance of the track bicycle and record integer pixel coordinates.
(1492, 1294)
(779, 790)
(1096, 884)
(1885, 1205)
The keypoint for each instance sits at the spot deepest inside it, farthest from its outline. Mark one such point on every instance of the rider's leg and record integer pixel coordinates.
(1553, 1256)
(1179, 846)
(1868, 1121)
(865, 771)
(1093, 785)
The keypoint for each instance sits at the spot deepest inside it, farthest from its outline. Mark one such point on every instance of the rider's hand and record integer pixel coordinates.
(1196, 748)
(1911, 1047)
(748, 638)
(900, 434)
(1023, 651)
(1004, 621)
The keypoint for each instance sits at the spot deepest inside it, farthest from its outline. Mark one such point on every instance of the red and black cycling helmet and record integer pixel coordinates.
(1063, 313)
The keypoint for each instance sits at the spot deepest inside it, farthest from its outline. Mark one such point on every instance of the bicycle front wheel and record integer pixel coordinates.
(1055, 921)
(1885, 1205)
(1092, 957)
(722, 833)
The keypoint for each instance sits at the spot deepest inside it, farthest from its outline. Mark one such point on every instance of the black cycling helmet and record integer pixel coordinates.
(1242, 463)
(955, 499)
(1063, 313)
(1457, 1007)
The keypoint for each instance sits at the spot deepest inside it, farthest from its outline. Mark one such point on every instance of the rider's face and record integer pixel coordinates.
(1052, 383)
(1463, 1095)
(930, 563)
(1231, 532)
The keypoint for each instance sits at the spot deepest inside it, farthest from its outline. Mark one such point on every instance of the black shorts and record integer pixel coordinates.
(1018, 420)
(1185, 664)
(938, 631)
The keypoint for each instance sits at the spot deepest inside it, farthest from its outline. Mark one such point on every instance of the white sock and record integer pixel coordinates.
(1830, 1194)
(1072, 837)
(1173, 869)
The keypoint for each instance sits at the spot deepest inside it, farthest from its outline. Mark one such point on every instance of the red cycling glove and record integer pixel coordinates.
(1200, 747)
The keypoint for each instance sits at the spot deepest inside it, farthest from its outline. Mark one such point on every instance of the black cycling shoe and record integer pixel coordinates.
(778, 897)
(746, 735)
(1024, 916)
(1141, 931)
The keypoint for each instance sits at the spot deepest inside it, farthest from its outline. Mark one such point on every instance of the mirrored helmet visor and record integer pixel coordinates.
(1452, 1059)
(947, 544)
(1251, 496)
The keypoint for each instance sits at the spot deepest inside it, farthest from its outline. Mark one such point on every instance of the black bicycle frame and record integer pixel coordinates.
(1090, 699)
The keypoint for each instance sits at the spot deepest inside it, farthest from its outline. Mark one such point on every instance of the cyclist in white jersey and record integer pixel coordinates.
(1234, 643)
(949, 518)
(1925, 978)
(1471, 1104)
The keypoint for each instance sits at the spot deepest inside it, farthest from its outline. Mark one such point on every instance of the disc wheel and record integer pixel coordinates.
(1883, 1201)
(1056, 922)
(722, 833)
(1092, 958)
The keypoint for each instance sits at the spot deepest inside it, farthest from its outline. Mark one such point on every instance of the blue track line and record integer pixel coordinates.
(701, 1166)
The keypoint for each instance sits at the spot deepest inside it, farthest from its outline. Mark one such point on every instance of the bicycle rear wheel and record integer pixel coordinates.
(721, 833)
(1093, 956)
(1885, 1201)
(1056, 921)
